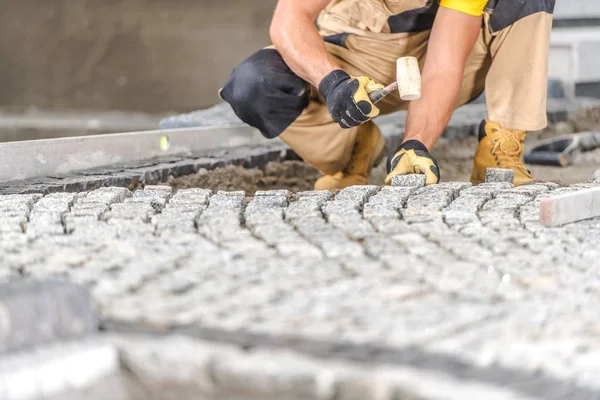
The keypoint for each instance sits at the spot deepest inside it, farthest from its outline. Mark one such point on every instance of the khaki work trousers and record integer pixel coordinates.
(510, 64)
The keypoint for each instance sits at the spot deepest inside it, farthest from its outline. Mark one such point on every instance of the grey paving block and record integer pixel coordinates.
(373, 274)
(164, 190)
(36, 313)
(130, 211)
(269, 193)
(506, 201)
(193, 196)
(106, 196)
(414, 180)
(321, 194)
(493, 175)
(487, 189)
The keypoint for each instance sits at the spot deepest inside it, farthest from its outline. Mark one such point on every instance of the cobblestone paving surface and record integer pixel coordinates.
(450, 279)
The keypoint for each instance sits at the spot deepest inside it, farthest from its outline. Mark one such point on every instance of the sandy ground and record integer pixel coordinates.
(295, 176)
(454, 156)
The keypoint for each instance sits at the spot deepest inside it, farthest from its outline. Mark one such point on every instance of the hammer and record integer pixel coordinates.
(408, 82)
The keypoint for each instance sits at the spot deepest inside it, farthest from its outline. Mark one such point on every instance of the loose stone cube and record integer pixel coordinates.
(412, 180)
(499, 175)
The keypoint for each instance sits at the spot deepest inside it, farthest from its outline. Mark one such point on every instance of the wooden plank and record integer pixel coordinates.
(570, 207)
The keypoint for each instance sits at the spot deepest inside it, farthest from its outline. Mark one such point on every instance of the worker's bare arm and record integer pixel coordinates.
(294, 34)
(452, 38)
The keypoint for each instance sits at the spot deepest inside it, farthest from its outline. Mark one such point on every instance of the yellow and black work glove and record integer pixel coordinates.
(413, 158)
(347, 98)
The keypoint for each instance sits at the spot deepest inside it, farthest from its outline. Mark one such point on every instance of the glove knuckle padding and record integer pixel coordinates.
(348, 99)
(365, 108)
(355, 113)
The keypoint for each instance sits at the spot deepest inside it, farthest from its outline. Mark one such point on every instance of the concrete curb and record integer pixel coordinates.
(151, 171)
(35, 313)
(50, 371)
(183, 365)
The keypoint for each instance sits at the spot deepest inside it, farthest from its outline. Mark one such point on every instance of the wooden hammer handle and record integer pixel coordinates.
(381, 94)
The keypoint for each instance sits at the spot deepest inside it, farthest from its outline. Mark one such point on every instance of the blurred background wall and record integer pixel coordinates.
(163, 56)
(154, 56)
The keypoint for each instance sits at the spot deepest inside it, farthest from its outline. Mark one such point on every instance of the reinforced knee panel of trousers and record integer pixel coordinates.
(265, 93)
(507, 12)
(417, 20)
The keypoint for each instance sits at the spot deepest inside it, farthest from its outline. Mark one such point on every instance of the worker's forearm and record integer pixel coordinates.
(302, 48)
(428, 117)
(452, 38)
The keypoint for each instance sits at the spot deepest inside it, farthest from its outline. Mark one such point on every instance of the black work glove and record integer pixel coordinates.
(413, 158)
(347, 98)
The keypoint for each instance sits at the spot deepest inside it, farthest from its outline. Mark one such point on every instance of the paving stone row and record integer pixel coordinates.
(150, 172)
(452, 276)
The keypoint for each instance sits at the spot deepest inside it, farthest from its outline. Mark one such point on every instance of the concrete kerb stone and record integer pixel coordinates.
(181, 364)
(570, 207)
(54, 370)
(39, 312)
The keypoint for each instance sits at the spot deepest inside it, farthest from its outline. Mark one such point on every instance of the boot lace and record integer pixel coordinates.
(508, 147)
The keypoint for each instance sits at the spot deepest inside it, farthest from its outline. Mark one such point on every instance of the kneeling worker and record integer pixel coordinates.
(310, 88)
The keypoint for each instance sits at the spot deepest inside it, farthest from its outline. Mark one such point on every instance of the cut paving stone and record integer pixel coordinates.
(570, 207)
(51, 371)
(499, 175)
(412, 180)
(39, 312)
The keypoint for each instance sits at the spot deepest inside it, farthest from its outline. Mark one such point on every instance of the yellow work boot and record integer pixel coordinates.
(368, 152)
(499, 148)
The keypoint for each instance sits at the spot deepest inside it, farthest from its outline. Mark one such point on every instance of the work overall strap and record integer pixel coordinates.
(507, 12)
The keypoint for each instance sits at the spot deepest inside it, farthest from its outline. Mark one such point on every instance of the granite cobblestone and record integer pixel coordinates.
(429, 274)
